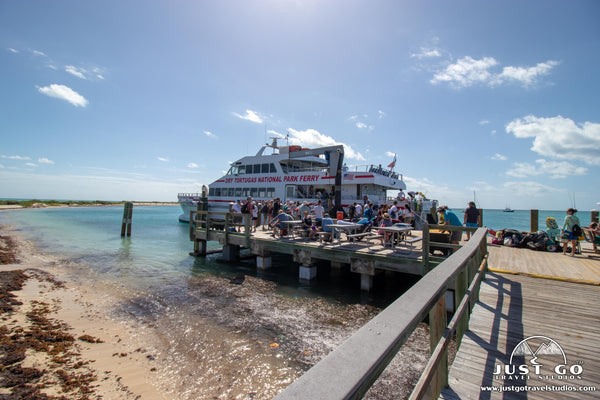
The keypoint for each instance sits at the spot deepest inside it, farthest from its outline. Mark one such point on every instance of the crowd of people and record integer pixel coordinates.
(274, 214)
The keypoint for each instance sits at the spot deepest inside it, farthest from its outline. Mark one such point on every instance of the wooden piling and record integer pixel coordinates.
(127, 219)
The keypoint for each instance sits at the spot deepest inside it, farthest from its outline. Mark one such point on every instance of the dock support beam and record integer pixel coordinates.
(199, 248)
(264, 262)
(308, 268)
(366, 282)
(307, 272)
(366, 269)
(231, 253)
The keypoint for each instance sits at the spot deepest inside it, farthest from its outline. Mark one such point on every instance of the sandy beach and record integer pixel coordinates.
(62, 339)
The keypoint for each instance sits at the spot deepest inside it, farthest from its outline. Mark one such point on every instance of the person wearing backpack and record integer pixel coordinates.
(571, 231)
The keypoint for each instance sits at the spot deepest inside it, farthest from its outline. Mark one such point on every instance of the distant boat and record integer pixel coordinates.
(508, 209)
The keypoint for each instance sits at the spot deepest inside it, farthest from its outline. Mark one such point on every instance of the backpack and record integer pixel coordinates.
(576, 230)
(245, 209)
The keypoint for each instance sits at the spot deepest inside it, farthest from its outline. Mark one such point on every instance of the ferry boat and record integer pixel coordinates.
(293, 173)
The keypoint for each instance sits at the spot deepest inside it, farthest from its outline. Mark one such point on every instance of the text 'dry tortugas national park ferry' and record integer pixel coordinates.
(293, 173)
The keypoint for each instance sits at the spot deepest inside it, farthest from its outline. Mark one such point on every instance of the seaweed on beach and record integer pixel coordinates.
(42, 335)
(8, 250)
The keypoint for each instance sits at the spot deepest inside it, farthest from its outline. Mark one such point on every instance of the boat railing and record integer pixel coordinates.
(349, 370)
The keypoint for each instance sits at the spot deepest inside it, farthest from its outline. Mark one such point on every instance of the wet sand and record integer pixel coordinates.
(222, 339)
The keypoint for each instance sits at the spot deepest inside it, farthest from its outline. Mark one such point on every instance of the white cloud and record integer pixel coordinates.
(425, 52)
(78, 72)
(529, 189)
(163, 159)
(361, 125)
(16, 157)
(11, 50)
(65, 93)
(381, 114)
(390, 154)
(484, 122)
(31, 164)
(468, 71)
(192, 165)
(312, 138)
(493, 132)
(91, 73)
(250, 116)
(559, 137)
(44, 160)
(39, 53)
(555, 169)
(209, 134)
(527, 76)
(499, 157)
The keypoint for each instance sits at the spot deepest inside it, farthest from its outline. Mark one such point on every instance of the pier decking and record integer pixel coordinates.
(539, 294)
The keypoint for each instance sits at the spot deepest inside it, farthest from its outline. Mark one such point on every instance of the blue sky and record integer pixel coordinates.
(144, 99)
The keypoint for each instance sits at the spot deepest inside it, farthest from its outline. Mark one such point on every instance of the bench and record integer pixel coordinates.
(357, 236)
(323, 235)
(372, 237)
(410, 242)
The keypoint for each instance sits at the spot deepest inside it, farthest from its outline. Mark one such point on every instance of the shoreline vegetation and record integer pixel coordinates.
(34, 203)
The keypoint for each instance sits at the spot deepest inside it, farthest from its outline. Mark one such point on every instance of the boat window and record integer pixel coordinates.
(256, 168)
(284, 168)
(262, 192)
(253, 192)
(231, 192)
(211, 191)
(290, 192)
(272, 168)
(265, 168)
(245, 192)
(271, 192)
(238, 192)
(242, 169)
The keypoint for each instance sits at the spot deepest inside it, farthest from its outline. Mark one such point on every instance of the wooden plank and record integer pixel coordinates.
(514, 307)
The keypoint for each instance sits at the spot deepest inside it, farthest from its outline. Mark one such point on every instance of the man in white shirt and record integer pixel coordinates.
(358, 211)
(319, 210)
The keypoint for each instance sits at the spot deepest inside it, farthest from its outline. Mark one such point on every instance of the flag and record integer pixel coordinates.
(393, 163)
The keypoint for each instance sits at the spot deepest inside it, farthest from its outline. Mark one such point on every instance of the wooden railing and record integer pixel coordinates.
(350, 370)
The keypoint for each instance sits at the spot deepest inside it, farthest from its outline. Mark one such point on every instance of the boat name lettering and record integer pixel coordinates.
(268, 179)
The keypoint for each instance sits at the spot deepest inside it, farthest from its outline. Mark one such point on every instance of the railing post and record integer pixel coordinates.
(425, 255)
(534, 221)
(460, 289)
(437, 326)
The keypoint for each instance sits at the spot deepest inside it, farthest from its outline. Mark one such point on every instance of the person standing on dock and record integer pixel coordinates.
(571, 231)
(451, 219)
(471, 219)
(319, 210)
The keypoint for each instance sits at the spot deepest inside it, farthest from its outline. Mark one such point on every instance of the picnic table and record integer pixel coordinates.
(346, 227)
(291, 225)
(398, 234)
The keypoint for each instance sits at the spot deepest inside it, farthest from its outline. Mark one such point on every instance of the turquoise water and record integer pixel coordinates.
(157, 253)
(156, 256)
(520, 219)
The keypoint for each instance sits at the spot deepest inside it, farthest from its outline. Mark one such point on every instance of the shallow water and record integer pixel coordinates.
(215, 339)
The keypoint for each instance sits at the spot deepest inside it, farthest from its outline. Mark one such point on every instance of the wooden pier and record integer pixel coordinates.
(364, 258)
(528, 294)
